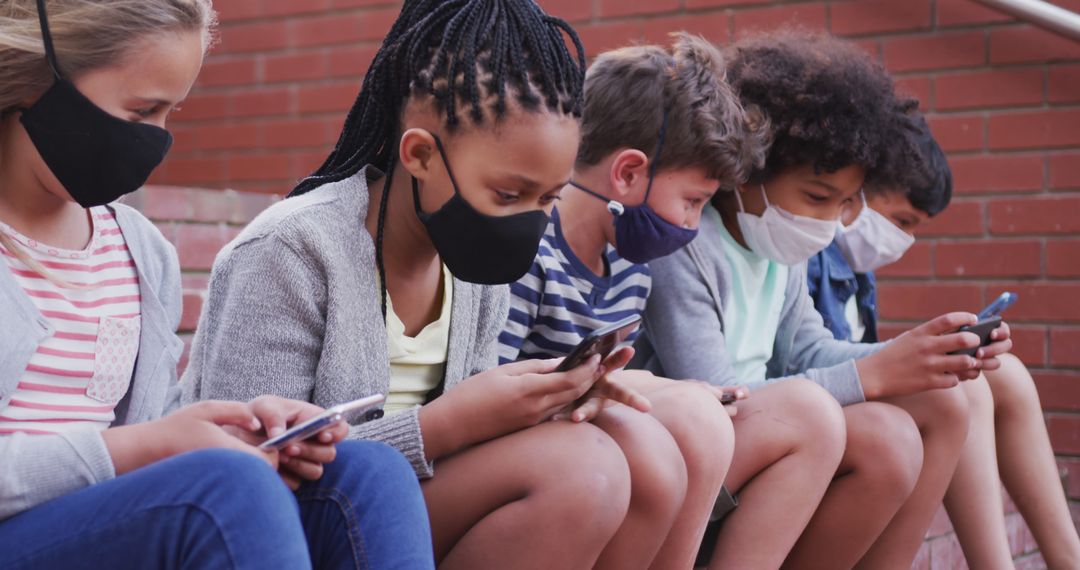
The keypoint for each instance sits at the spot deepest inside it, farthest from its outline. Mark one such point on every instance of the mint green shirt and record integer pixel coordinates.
(752, 309)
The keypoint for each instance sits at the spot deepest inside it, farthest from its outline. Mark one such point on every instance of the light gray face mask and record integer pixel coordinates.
(781, 236)
(872, 241)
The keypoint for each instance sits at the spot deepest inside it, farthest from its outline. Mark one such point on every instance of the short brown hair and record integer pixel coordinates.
(628, 90)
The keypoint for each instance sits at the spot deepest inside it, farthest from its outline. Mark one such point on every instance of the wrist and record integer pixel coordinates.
(127, 450)
(869, 377)
(441, 436)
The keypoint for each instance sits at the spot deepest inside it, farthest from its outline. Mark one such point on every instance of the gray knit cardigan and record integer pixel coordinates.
(294, 309)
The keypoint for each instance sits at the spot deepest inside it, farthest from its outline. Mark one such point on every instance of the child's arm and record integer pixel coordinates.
(682, 323)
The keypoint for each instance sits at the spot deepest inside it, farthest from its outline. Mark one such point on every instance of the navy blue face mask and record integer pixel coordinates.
(96, 157)
(641, 235)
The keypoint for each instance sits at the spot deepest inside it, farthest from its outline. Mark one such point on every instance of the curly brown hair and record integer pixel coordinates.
(829, 104)
(628, 90)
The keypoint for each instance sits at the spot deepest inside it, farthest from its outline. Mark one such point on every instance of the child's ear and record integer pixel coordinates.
(416, 151)
(629, 171)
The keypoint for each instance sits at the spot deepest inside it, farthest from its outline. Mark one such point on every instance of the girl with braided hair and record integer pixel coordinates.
(386, 270)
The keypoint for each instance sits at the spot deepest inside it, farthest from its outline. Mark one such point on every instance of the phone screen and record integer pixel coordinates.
(602, 341)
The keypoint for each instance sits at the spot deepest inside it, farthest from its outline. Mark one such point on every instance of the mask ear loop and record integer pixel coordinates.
(46, 38)
(453, 181)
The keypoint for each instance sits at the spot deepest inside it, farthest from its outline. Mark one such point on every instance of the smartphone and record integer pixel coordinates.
(326, 420)
(601, 341)
(983, 328)
(727, 398)
(1000, 304)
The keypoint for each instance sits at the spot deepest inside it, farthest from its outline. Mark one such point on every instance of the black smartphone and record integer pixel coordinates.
(601, 341)
(983, 328)
(727, 398)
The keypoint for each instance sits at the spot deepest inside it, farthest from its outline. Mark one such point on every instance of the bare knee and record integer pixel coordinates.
(820, 418)
(658, 476)
(943, 414)
(700, 426)
(585, 472)
(1013, 388)
(884, 447)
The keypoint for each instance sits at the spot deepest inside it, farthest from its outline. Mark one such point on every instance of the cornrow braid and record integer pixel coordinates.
(470, 54)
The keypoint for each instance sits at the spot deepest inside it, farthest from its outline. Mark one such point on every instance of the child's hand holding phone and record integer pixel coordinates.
(300, 460)
(607, 390)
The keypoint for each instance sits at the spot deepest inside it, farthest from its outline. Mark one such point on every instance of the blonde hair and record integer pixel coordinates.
(87, 35)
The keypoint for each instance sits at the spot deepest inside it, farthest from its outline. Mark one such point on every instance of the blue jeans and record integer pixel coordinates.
(222, 509)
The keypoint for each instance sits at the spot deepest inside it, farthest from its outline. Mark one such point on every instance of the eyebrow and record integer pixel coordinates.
(530, 183)
(825, 185)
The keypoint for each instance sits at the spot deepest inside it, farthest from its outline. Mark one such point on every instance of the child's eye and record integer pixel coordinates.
(817, 199)
(146, 113)
(545, 200)
(506, 196)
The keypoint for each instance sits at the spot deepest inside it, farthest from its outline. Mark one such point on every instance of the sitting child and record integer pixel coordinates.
(733, 308)
(1006, 429)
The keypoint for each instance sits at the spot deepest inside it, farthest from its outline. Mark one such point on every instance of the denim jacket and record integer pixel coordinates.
(832, 282)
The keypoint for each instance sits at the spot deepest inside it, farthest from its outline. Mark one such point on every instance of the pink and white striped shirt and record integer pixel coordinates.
(78, 375)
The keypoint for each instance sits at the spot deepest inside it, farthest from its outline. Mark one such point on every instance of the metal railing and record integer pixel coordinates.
(1043, 14)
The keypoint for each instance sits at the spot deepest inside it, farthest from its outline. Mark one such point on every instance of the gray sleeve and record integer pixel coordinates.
(39, 468)
(817, 355)
(261, 332)
(683, 324)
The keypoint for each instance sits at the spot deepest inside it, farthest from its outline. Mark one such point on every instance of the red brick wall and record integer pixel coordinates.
(1003, 99)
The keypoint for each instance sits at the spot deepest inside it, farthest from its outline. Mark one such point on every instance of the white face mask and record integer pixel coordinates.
(872, 241)
(782, 236)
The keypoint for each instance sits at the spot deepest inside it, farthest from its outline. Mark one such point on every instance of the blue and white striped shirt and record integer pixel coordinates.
(560, 300)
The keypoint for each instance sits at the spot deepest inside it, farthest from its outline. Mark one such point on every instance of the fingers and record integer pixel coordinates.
(612, 389)
(953, 363)
(571, 384)
(995, 349)
(535, 366)
(947, 323)
(945, 344)
(587, 411)
(989, 364)
(336, 434)
(619, 358)
(1003, 332)
(227, 413)
(312, 452)
(303, 470)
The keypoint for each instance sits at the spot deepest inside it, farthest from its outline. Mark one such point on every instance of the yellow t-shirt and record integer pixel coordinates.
(417, 363)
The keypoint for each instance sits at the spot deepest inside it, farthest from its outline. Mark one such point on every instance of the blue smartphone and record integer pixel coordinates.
(1000, 304)
(324, 421)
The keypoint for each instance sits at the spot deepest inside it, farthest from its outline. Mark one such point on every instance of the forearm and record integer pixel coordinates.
(131, 447)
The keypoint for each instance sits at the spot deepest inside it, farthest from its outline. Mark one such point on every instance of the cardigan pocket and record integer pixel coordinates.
(114, 358)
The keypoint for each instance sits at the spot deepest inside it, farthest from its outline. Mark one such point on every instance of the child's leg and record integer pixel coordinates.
(1027, 463)
(880, 467)
(366, 511)
(658, 485)
(551, 496)
(942, 418)
(702, 429)
(789, 438)
(205, 509)
(973, 499)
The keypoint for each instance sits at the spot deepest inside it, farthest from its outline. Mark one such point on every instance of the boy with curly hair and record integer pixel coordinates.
(732, 308)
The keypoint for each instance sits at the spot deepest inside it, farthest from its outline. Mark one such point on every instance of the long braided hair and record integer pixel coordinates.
(466, 55)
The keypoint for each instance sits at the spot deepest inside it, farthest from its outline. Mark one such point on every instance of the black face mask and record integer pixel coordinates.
(96, 156)
(488, 250)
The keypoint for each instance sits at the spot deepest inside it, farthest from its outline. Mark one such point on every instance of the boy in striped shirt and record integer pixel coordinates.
(646, 167)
